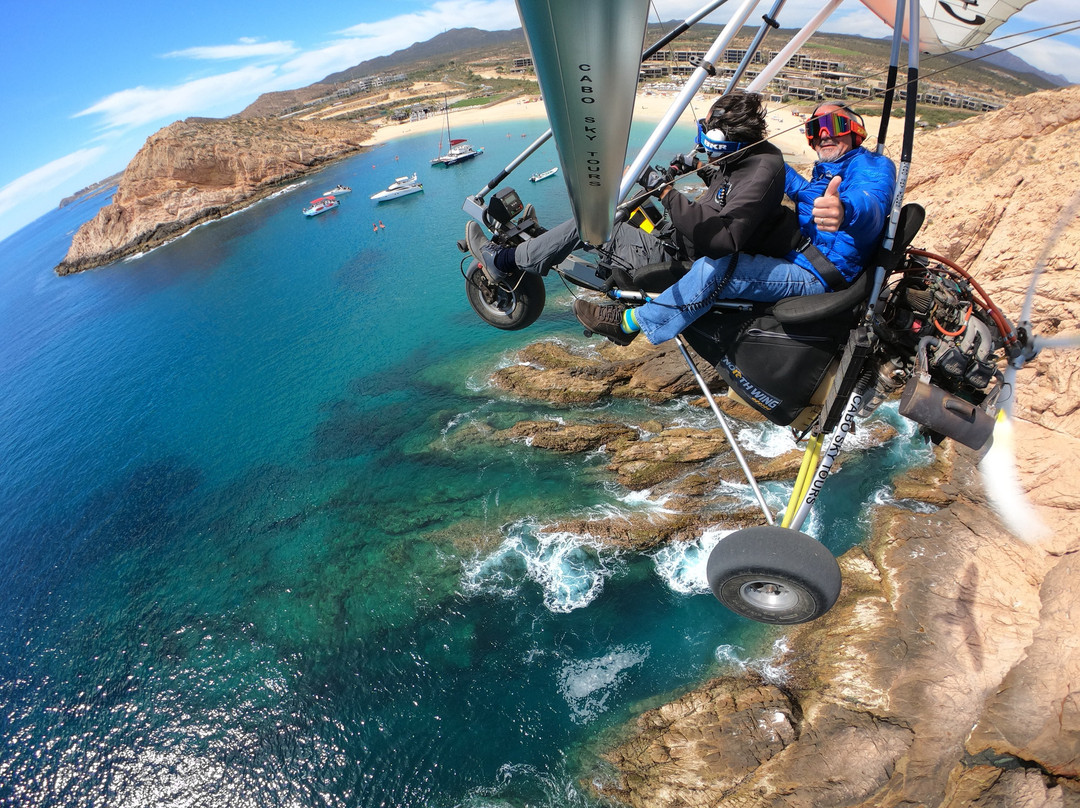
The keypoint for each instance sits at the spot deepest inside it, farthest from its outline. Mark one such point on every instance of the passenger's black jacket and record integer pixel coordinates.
(740, 211)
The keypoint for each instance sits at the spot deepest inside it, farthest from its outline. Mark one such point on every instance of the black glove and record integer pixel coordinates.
(652, 178)
(682, 164)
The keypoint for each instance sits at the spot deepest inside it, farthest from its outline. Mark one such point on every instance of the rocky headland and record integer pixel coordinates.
(200, 169)
(948, 673)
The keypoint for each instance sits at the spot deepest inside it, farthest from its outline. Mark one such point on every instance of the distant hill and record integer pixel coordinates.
(445, 44)
(1001, 75)
(1014, 64)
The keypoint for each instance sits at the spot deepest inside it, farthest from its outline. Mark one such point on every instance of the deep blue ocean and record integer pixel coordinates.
(246, 558)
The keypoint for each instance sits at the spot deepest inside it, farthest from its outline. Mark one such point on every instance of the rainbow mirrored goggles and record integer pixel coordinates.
(835, 124)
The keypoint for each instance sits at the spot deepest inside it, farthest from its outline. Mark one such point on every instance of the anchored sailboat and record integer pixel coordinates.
(459, 150)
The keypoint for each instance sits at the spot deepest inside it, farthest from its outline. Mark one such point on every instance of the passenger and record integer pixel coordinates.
(841, 210)
(740, 209)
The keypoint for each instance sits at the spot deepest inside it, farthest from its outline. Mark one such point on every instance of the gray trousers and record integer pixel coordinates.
(632, 244)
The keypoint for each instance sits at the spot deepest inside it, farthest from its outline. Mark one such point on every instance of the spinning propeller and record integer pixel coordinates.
(998, 466)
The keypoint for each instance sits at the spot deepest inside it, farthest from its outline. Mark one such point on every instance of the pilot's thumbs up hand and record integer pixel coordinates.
(828, 209)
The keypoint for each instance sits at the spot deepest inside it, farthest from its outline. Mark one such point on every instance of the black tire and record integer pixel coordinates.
(512, 304)
(774, 575)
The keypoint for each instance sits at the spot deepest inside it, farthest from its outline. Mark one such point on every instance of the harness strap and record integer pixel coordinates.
(825, 268)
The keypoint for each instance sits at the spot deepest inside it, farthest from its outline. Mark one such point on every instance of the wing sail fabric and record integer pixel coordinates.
(587, 55)
(950, 25)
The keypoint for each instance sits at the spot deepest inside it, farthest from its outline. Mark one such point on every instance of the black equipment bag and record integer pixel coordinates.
(775, 367)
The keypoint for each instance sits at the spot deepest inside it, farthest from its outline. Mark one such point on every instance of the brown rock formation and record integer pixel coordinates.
(948, 674)
(201, 169)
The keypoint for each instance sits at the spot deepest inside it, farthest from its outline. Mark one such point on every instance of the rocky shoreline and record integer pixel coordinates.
(201, 169)
(948, 673)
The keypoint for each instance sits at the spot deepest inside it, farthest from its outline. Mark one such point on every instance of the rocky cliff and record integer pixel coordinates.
(201, 169)
(948, 674)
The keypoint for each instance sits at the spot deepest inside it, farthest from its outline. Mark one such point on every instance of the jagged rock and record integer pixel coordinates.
(946, 675)
(559, 437)
(200, 169)
(701, 745)
(565, 375)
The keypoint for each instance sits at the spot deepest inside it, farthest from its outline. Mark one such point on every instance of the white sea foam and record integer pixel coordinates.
(733, 658)
(645, 501)
(682, 564)
(587, 684)
(886, 496)
(766, 440)
(569, 570)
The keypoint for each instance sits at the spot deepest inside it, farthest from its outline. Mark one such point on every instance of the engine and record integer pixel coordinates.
(939, 343)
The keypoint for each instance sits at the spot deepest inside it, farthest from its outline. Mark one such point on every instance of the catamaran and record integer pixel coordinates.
(459, 149)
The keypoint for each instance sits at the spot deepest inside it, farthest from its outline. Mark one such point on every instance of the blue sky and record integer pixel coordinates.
(84, 84)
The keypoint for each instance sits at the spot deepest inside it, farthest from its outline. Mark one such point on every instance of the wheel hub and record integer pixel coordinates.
(771, 596)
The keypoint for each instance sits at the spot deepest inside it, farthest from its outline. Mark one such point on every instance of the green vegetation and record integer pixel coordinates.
(486, 75)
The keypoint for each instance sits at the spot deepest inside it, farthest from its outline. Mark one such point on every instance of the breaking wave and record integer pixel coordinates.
(569, 569)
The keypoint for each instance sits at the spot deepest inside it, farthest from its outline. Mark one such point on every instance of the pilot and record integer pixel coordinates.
(740, 209)
(842, 210)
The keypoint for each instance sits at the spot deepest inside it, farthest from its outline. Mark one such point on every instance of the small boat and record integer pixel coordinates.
(321, 205)
(543, 175)
(338, 190)
(459, 152)
(402, 186)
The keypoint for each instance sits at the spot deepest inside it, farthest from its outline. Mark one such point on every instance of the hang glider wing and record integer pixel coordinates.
(951, 25)
(587, 54)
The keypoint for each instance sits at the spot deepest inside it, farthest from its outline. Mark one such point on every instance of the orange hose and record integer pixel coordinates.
(1003, 324)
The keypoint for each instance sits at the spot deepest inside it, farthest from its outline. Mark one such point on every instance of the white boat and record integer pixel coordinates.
(459, 152)
(543, 175)
(459, 149)
(402, 186)
(338, 190)
(320, 205)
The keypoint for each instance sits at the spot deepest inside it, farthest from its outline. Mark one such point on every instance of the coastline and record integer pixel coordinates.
(785, 127)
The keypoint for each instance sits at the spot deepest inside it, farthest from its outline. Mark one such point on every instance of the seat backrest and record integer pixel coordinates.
(794, 310)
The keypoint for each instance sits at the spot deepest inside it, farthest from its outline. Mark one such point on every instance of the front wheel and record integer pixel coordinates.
(512, 304)
(774, 575)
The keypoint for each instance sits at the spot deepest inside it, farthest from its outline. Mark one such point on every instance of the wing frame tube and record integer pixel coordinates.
(474, 204)
(734, 444)
(768, 21)
(682, 100)
(772, 68)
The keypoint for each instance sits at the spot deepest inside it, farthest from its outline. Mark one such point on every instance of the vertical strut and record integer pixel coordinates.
(727, 429)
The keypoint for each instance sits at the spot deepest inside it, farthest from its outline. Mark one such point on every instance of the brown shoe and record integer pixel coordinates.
(603, 320)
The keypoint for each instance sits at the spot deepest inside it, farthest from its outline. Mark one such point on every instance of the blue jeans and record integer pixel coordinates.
(756, 277)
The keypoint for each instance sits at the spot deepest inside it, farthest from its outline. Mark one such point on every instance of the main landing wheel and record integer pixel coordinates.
(511, 304)
(774, 575)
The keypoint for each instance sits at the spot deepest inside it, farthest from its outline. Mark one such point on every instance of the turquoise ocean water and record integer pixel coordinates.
(245, 559)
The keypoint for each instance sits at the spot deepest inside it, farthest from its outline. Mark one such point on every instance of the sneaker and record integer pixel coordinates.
(603, 320)
(476, 240)
(484, 251)
(529, 212)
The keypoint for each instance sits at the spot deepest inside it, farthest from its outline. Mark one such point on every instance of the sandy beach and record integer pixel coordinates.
(785, 128)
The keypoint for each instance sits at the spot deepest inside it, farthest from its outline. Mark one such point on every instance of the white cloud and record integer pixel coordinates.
(247, 48)
(41, 181)
(407, 29)
(1053, 56)
(143, 105)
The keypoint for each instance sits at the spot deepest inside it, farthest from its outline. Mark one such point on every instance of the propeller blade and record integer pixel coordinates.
(1002, 484)
(1061, 341)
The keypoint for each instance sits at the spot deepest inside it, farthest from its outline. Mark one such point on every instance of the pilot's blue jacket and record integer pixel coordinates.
(866, 193)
